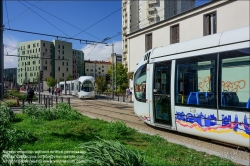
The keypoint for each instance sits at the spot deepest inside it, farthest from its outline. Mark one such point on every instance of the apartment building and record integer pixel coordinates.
(96, 68)
(207, 19)
(10, 77)
(78, 64)
(53, 58)
(139, 14)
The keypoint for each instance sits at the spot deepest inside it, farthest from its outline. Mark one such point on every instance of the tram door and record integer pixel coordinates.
(161, 93)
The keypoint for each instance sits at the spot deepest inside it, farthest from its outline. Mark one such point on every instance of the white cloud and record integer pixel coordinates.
(10, 48)
(101, 51)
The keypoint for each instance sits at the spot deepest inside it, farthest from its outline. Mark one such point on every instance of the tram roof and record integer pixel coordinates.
(223, 38)
(83, 78)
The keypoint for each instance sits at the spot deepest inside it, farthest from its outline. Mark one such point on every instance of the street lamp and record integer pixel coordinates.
(112, 69)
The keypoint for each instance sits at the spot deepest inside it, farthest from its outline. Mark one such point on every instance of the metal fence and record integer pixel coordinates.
(120, 97)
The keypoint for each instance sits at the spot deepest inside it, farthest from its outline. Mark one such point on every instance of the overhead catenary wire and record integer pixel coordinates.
(56, 36)
(7, 13)
(9, 38)
(20, 14)
(63, 20)
(44, 19)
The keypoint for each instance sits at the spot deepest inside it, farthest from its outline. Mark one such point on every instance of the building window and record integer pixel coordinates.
(148, 42)
(63, 74)
(174, 34)
(63, 63)
(43, 44)
(210, 24)
(58, 68)
(67, 69)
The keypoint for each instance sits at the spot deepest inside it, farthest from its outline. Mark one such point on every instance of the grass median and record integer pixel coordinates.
(64, 137)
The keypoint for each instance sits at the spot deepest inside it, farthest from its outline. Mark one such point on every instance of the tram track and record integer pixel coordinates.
(111, 111)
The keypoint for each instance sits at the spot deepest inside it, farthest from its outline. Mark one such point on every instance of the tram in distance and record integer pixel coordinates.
(199, 87)
(83, 87)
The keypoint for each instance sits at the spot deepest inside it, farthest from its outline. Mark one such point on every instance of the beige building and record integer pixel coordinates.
(97, 68)
(207, 19)
(139, 14)
(56, 57)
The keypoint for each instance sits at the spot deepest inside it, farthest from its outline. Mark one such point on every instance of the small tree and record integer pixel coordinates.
(36, 80)
(122, 78)
(60, 79)
(70, 77)
(51, 82)
(100, 83)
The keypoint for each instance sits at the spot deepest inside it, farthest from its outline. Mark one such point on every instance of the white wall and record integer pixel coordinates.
(229, 16)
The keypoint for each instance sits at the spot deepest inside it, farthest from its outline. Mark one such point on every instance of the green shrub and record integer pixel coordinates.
(6, 116)
(104, 152)
(11, 139)
(119, 129)
(10, 103)
(61, 111)
(20, 96)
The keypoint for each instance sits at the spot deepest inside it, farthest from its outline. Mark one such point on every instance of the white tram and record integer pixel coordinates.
(83, 87)
(200, 87)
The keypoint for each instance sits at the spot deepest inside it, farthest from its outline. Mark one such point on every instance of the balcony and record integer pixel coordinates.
(124, 57)
(152, 2)
(151, 9)
(124, 50)
(151, 16)
(124, 7)
(124, 26)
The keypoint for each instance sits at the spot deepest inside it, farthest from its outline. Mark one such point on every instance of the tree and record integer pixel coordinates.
(70, 77)
(36, 80)
(100, 84)
(51, 82)
(60, 79)
(122, 78)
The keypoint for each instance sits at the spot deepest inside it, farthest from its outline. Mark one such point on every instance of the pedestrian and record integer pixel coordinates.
(30, 95)
(55, 91)
(127, 94)
(52, 91)
(49, 90)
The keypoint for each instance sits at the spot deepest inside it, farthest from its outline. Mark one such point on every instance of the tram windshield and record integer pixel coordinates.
(140, 84)
(87, 86)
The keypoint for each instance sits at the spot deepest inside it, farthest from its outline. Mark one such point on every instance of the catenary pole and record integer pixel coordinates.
(1, 51)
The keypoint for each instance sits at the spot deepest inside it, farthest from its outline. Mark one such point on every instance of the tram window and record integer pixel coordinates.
(87, 86)
(235, 81)
(140, 84)
(195, 81)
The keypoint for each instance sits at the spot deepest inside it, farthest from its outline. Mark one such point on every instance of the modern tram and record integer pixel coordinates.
(83, 87)
(199, 87)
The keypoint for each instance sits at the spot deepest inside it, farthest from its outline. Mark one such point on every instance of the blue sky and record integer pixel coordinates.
(38, 16)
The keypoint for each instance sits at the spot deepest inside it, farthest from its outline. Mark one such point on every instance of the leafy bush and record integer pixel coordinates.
(11, 139)
(6, 116)
(11, 103)
(61, 111)
(119, 129)
(20, 96)
(104, 152)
